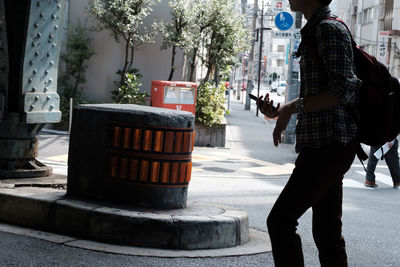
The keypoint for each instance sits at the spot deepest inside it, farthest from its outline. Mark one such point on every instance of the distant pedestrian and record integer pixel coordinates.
(226, 88)
(392, 161)
(325, 139)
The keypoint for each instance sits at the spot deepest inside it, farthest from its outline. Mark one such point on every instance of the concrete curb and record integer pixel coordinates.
(199, 226)
(258, 243)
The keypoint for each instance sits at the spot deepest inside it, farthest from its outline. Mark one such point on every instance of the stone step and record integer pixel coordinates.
(198, 226)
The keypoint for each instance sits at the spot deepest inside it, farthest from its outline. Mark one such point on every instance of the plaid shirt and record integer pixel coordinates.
(326, 65)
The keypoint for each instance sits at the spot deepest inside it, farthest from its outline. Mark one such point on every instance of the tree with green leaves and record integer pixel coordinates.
(125, 20)
(226, 38)
(78, 52)
(218, 27)
(174, 32)
(199, 21)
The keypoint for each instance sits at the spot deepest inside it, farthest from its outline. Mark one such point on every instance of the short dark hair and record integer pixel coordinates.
(325, 2)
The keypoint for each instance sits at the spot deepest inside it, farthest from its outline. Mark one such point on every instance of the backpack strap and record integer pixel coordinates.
(314, 56)
(361, 155)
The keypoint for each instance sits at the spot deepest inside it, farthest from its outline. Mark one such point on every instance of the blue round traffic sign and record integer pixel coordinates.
(284, 21)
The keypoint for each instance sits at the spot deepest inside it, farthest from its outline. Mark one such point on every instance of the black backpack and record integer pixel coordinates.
(378, 116)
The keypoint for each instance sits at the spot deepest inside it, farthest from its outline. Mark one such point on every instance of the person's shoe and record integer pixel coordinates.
(396, 185)
(371, 184)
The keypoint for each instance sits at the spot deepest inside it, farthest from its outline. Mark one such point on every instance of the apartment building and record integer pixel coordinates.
(375, 28)
(274, 49)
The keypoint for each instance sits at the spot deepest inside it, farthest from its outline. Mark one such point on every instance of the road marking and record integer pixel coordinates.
(380, 177)
(226, 156)
(199, 158)
(61, 158)
(286, 169)
(352, 183)
(267, 168)
(377, 166)
(60, 169)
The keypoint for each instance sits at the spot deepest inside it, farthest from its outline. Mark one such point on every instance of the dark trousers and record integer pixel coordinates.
(392, 160)
(316, 182)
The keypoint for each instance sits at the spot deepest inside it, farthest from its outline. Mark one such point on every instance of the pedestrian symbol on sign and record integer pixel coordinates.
(284, 21)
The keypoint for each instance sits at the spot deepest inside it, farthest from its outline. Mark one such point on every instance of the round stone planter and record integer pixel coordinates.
(131, 154)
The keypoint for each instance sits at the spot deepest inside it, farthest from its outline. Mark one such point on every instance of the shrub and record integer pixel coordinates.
(210, 106)
(128, 92)
(78, 52)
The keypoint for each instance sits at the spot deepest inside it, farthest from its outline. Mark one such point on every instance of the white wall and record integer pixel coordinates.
(396, 15)
(153, 63)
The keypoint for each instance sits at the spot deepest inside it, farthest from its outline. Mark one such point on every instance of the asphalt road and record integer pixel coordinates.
(248, 175)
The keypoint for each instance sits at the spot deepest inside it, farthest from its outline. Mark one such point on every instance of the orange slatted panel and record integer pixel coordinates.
(169, 142)
(126, 138)
(116, 136)
(189, 171)
(137, 139)
(114, 167)
(155, 170)
(178, 142)
(191, 142)
(165, 172)
(144, 171)
(147, 140)
(174, 173)
(186, 142)
(158, 141)
(133, 169)
(182, 172)
(123, 168)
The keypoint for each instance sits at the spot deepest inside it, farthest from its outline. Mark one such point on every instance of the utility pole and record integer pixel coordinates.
(250, 83)
(261, 31)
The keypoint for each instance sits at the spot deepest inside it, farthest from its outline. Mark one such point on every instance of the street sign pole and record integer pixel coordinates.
(293, 80)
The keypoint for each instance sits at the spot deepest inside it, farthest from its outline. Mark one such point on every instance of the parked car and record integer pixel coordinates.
(281, 89)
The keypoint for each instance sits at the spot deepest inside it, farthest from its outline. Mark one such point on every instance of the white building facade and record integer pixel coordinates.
(375, 25)
(152, 62)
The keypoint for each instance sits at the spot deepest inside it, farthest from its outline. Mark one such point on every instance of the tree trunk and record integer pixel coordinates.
(124, 69)
(209, 62)
(171, 74)
(75, 90)
(193, 64)
(132, 57)
(208, 74)
(217, 79)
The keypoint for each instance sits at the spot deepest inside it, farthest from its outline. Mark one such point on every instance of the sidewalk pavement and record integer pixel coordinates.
(248, 174)
(251, 135)
(238, 175)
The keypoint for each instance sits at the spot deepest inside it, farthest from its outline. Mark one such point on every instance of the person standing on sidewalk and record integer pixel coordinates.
(325, 134)
(392, 160)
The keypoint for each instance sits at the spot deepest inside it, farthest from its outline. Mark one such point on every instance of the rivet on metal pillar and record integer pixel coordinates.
(27, 101)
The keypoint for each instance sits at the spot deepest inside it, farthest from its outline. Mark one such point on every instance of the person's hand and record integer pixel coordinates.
(267, 108)
(281, 124)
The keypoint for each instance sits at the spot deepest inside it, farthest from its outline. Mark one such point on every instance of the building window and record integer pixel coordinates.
(280, 62)
(367, 15)
(281, 48)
